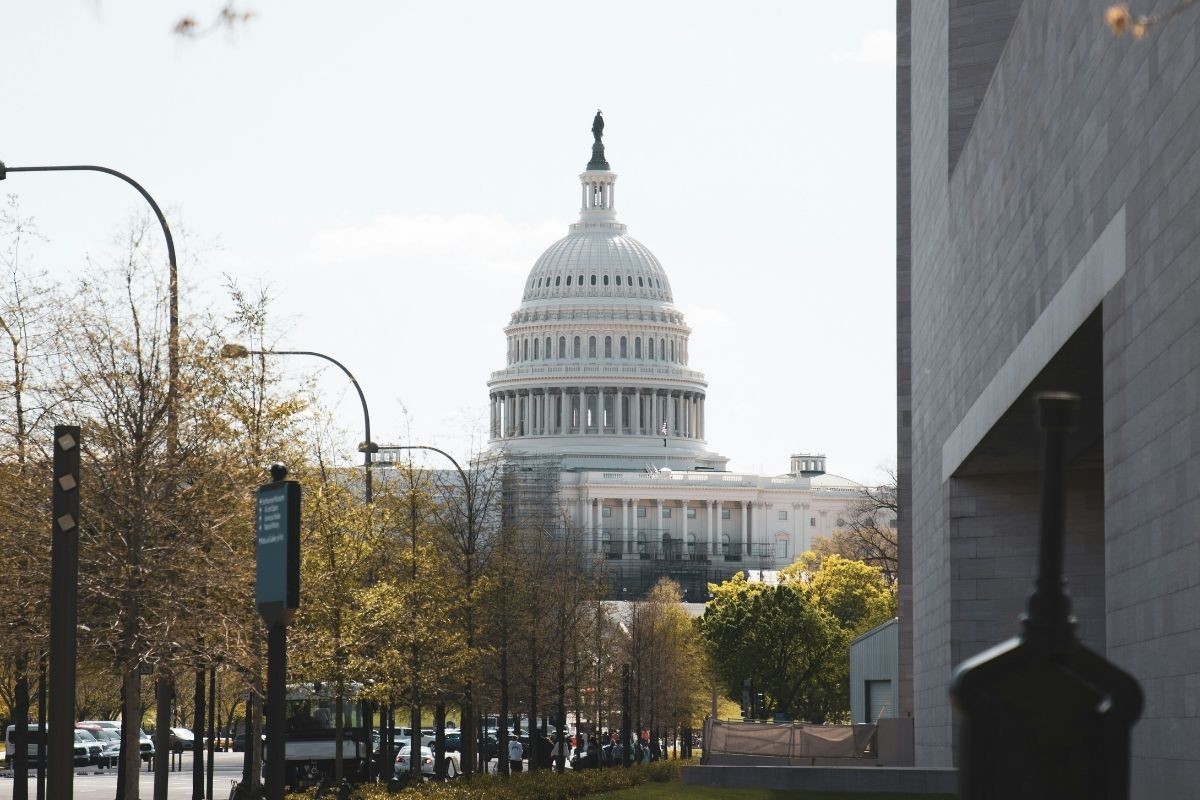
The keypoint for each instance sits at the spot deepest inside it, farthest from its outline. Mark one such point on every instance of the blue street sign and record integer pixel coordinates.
(277, 551)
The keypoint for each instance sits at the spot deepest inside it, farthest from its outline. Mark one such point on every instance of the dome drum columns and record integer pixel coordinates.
(597, 411)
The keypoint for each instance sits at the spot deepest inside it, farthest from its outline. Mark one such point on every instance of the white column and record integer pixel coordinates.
(546, 411)
(600, 409)
(658, 523)
(587, 523)
(618, 398)
(626, 546)
(745, 527)
(562, 410)
(717, 526)
(709, 534)
(702, 431)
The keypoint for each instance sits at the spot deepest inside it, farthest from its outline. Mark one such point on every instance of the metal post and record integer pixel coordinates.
(19, 758)
(276, 700)
(43, 680)
(64, 583)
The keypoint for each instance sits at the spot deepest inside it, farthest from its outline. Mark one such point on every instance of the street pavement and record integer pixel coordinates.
(92, 784)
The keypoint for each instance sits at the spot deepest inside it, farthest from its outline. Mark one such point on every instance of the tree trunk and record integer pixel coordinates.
(535, 742)
(198, 741)
(131, 746)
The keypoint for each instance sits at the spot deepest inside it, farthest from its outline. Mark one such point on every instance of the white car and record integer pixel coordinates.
(452, 762)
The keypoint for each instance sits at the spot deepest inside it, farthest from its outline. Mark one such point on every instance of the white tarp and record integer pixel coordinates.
(788, 740)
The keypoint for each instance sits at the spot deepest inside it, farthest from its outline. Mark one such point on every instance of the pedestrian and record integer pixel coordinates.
(515, 753)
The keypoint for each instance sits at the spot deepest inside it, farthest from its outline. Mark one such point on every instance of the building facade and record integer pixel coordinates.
(598, 377)
(1048, 179)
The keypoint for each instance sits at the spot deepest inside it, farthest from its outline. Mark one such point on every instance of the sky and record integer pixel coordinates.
(390, 171)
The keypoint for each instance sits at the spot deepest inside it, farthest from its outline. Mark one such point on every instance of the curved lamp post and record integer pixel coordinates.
(367, 448)
(63, 689)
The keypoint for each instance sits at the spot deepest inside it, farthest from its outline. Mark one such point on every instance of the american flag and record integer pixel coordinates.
(664, 428)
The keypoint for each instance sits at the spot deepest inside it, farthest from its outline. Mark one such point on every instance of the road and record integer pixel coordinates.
(89, 785)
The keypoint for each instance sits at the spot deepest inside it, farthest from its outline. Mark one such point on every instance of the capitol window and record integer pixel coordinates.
(557, 281)
(525, 350)
(629, 280)
(576, 351)
(591, 347)
(562, 347)
(618, 280)
(593, 280)
(535, 349)
(639, 280)
(666, 513)
(641, 512)
(606, 280)
(724, 513)
(624, 348)
(637, 347)
(672, 349)
(691, 513)
(568, 280)
(650, 349)
(662, 349)
(549, 350)
(783, 515)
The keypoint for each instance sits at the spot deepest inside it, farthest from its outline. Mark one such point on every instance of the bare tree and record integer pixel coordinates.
(868, 531)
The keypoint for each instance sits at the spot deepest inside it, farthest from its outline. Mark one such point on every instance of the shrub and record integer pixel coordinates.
(539, 785)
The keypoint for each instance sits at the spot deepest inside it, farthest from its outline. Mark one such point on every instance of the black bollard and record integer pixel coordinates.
(1044, 716)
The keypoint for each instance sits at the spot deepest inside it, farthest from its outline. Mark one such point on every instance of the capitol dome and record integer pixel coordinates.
(597, 359)
(598, 263)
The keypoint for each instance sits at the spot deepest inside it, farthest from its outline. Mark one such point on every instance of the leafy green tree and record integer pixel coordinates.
(856, 594)
(780, 639)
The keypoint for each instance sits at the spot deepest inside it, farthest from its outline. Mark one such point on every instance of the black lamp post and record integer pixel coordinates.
(62, 687)
(367, 448)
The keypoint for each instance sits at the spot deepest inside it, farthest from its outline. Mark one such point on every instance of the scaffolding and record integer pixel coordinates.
(530, 496)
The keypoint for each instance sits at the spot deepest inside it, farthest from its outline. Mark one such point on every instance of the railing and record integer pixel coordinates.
(724, 478)
(600, 368)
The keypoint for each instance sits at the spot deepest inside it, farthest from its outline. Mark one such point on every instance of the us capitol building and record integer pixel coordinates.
(597, 383)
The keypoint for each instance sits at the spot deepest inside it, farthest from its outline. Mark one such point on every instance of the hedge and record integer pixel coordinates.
(539, 785)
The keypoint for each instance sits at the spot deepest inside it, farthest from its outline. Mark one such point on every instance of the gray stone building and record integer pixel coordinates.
(1048, 182)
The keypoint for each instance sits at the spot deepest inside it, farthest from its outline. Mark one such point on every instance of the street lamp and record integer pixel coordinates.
(62, 686)
(367, 447)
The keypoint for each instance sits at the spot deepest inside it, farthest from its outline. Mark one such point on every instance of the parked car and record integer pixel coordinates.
(239, 742)
(182, 739)
(111, 740)
(145, 743)
(426, 762)
(95, 749)
(83, 754)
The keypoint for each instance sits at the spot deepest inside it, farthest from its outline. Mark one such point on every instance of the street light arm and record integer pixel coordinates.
(461, 473)
(173, 280)
(361, 397)
(162, 220)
